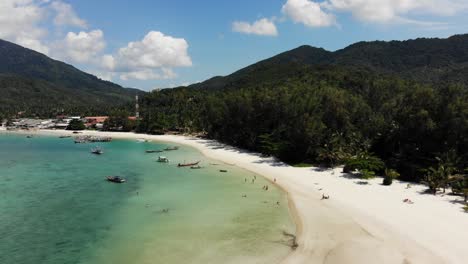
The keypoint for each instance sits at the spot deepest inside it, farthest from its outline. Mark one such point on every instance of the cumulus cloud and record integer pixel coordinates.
(393, 10)
(308, 13)
(151, 58)
(149, 74)
(19, 20)
(66, 16)
(262, 27)
(81, 47)
(322, 14)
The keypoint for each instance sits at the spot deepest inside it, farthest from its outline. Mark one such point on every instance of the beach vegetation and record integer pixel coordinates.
(367, 174)
(364, 161)
(119, 121)
(390, 175)
(76, 124)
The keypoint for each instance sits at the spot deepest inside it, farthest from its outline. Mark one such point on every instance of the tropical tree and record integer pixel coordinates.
(76, 124)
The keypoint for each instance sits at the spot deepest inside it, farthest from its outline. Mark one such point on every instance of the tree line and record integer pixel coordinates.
(327, 115)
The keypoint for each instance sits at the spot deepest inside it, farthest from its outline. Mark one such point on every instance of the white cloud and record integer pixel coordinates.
(313, 13)
(149, 74)
(151, 58)
(390, 11)
(108, 62)
(66, 16)
(103, 75)
(19, 23)
(308, 13)
(262, 27)
(81, 47)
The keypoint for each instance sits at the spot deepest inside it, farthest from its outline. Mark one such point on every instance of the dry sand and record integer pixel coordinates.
(360, 223)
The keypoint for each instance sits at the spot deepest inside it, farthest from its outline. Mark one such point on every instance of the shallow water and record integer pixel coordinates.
(56, 207)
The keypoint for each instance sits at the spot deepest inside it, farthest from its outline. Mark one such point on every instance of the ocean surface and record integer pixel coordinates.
(57, 208)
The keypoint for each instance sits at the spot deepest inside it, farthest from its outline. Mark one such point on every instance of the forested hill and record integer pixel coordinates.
(425, 60)
(311, 105)
(37, 84)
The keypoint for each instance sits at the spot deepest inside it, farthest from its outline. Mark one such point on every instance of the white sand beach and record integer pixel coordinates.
(360, 223)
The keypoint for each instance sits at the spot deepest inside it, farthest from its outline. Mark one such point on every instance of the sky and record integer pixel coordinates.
(151, 44)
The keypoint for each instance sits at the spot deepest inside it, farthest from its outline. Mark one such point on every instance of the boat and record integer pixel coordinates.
(222, 170)
(141, 140)
(97, 151)
(116, 179)
(153, 151)
(188, 164)
(171, 148)
(163, 159)
(195, 167)
(65, 137)
(29, 136)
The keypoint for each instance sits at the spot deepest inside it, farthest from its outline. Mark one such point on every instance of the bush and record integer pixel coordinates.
(387, 181)
(390, 175)
(364, 162)
(367, 174)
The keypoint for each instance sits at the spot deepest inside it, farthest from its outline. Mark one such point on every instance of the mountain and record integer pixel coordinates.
(35, 83)
(400, 103)
(425, 60)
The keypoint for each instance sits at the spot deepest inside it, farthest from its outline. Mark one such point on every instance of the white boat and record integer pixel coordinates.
(97, 151)
(163, 159)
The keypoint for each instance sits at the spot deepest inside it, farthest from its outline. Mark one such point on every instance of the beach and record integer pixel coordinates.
(360, 223)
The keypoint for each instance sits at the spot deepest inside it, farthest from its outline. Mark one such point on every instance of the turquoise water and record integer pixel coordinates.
(56, 207)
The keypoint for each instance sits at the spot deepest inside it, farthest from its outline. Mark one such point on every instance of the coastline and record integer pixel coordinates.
(359, 224)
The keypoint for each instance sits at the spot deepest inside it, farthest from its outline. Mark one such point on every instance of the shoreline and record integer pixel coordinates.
(359, 224)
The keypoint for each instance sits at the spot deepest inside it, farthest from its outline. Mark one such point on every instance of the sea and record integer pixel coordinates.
(57, 208)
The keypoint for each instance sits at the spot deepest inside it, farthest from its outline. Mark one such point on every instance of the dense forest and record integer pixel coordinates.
(327, 113)
(37, 85)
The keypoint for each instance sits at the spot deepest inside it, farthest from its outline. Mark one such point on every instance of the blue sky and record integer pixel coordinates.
(180, 42)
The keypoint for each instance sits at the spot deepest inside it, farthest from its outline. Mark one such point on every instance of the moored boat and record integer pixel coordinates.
(97, 151)
(163, 159)
(116, 179)
(195, 167)
(188, 164)
(171, 148)
(153, 151)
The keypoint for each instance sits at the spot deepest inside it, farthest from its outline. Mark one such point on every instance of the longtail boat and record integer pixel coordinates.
(171, 148)
(188, 164)
(115, 179)
(153, 151)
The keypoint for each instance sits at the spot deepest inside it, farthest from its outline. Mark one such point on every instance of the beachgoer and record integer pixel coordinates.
(266, 188)
(277, 203)
(274, 180)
